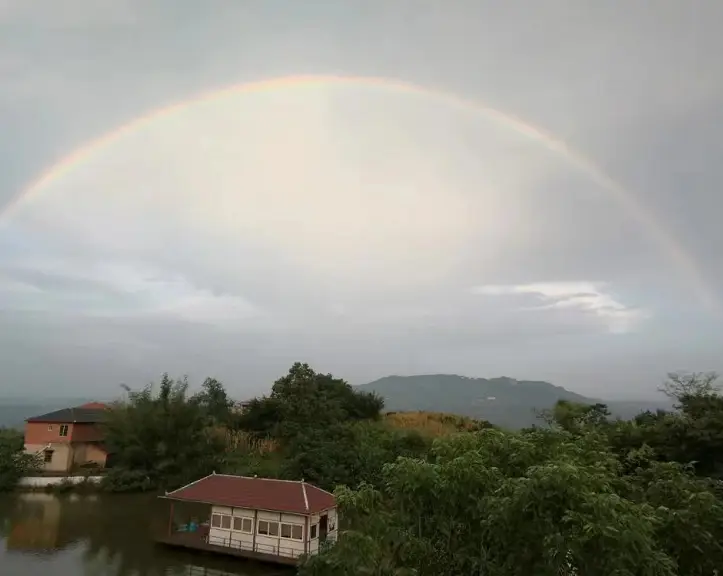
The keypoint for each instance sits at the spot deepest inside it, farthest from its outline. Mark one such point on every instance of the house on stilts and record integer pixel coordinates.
(261, 518)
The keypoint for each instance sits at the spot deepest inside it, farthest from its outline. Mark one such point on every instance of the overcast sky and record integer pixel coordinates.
(534, 191)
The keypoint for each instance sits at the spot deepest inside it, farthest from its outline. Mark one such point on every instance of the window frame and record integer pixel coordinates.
(242, 520)
(314, 532)
(291, 526)
(63, 428)
(48, 456)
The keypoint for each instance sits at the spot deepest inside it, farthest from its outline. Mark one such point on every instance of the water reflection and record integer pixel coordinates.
(100, 536)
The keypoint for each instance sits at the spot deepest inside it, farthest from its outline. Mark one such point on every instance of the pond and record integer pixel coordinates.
(100, 535)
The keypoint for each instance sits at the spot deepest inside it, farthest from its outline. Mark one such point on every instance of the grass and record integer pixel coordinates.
(433, 423)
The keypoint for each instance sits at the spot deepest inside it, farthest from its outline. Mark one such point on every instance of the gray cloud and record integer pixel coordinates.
(348, 225)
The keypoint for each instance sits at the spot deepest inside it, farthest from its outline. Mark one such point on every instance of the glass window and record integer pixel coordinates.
(286, 530)
(216, 520)
(48, 456)
(237, 523)
(226, 522)
(273, 528)
(297, 532)
(247, 525)
(313, 531)
(263, 527)
(63, 430)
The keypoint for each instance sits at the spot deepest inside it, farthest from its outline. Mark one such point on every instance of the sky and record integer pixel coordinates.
(486, 188)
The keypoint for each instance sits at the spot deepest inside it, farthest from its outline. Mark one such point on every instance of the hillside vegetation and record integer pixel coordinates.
(504, 402)
(434, 423)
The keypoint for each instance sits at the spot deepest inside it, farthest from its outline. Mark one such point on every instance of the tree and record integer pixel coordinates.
(678, 386)
(160, 439)
(304, 400)
(215, 402)
(543, 502)
(14, 462)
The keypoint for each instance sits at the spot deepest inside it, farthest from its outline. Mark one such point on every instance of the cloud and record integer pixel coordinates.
(116, 288)
(589, 298)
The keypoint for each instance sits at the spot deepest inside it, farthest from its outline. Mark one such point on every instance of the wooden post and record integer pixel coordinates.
(170, 520)
(306, 534)
(255, 529)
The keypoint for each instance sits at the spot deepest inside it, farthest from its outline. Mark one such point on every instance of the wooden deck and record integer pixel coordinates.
(196, 541)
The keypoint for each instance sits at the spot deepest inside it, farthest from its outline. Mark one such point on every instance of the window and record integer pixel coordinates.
(313, 531)
(48, 456)
(50, 427)
(63, 430)
(268, 528)
(221, 521)
(243, 524)
(292, 531)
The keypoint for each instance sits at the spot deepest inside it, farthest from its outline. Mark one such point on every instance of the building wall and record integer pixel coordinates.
(45, 433)
(96, 454)
(333, 529)
(86, 433)
(263, 543)
(62, 457)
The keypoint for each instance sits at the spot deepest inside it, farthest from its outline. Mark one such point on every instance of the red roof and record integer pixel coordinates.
(256, 494)
(95, 406)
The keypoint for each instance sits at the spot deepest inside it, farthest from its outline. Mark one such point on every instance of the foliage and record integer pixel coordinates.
(304, 400)
(14, 462)
(347, 452)
(215, 403)
(539, 502)
(161, 439)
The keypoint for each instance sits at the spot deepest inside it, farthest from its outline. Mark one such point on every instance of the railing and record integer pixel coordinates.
(271, 549)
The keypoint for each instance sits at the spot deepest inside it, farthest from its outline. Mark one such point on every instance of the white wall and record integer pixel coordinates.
(331, 534)
(42, 482)
(264, 543)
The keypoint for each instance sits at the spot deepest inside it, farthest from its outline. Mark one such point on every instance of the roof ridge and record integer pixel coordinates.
(306, 498)
(192, 483)
(263, 478)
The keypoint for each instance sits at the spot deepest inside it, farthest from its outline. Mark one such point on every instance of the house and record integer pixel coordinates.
(67, 438)
(261, 518)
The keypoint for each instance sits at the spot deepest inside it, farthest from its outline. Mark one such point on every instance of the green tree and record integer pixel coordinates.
(160, 439)
(304, 400)
(215, 402)
(14, 462)
(497, 503)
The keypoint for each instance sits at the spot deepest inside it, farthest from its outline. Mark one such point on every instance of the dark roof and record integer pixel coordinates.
(86, 414)
(256, 494)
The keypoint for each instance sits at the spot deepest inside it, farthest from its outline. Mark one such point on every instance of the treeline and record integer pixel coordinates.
(310, 426)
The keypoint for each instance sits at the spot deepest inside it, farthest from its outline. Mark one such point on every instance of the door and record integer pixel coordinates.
(323, 527)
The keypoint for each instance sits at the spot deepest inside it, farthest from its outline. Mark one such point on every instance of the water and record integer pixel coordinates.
(101, 535)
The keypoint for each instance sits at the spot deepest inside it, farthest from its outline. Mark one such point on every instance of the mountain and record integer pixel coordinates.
(502, 401)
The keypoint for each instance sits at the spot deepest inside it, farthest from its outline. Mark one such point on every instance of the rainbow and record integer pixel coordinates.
(627, 201)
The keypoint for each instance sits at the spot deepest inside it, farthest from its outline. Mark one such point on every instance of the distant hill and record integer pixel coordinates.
(502, 401)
